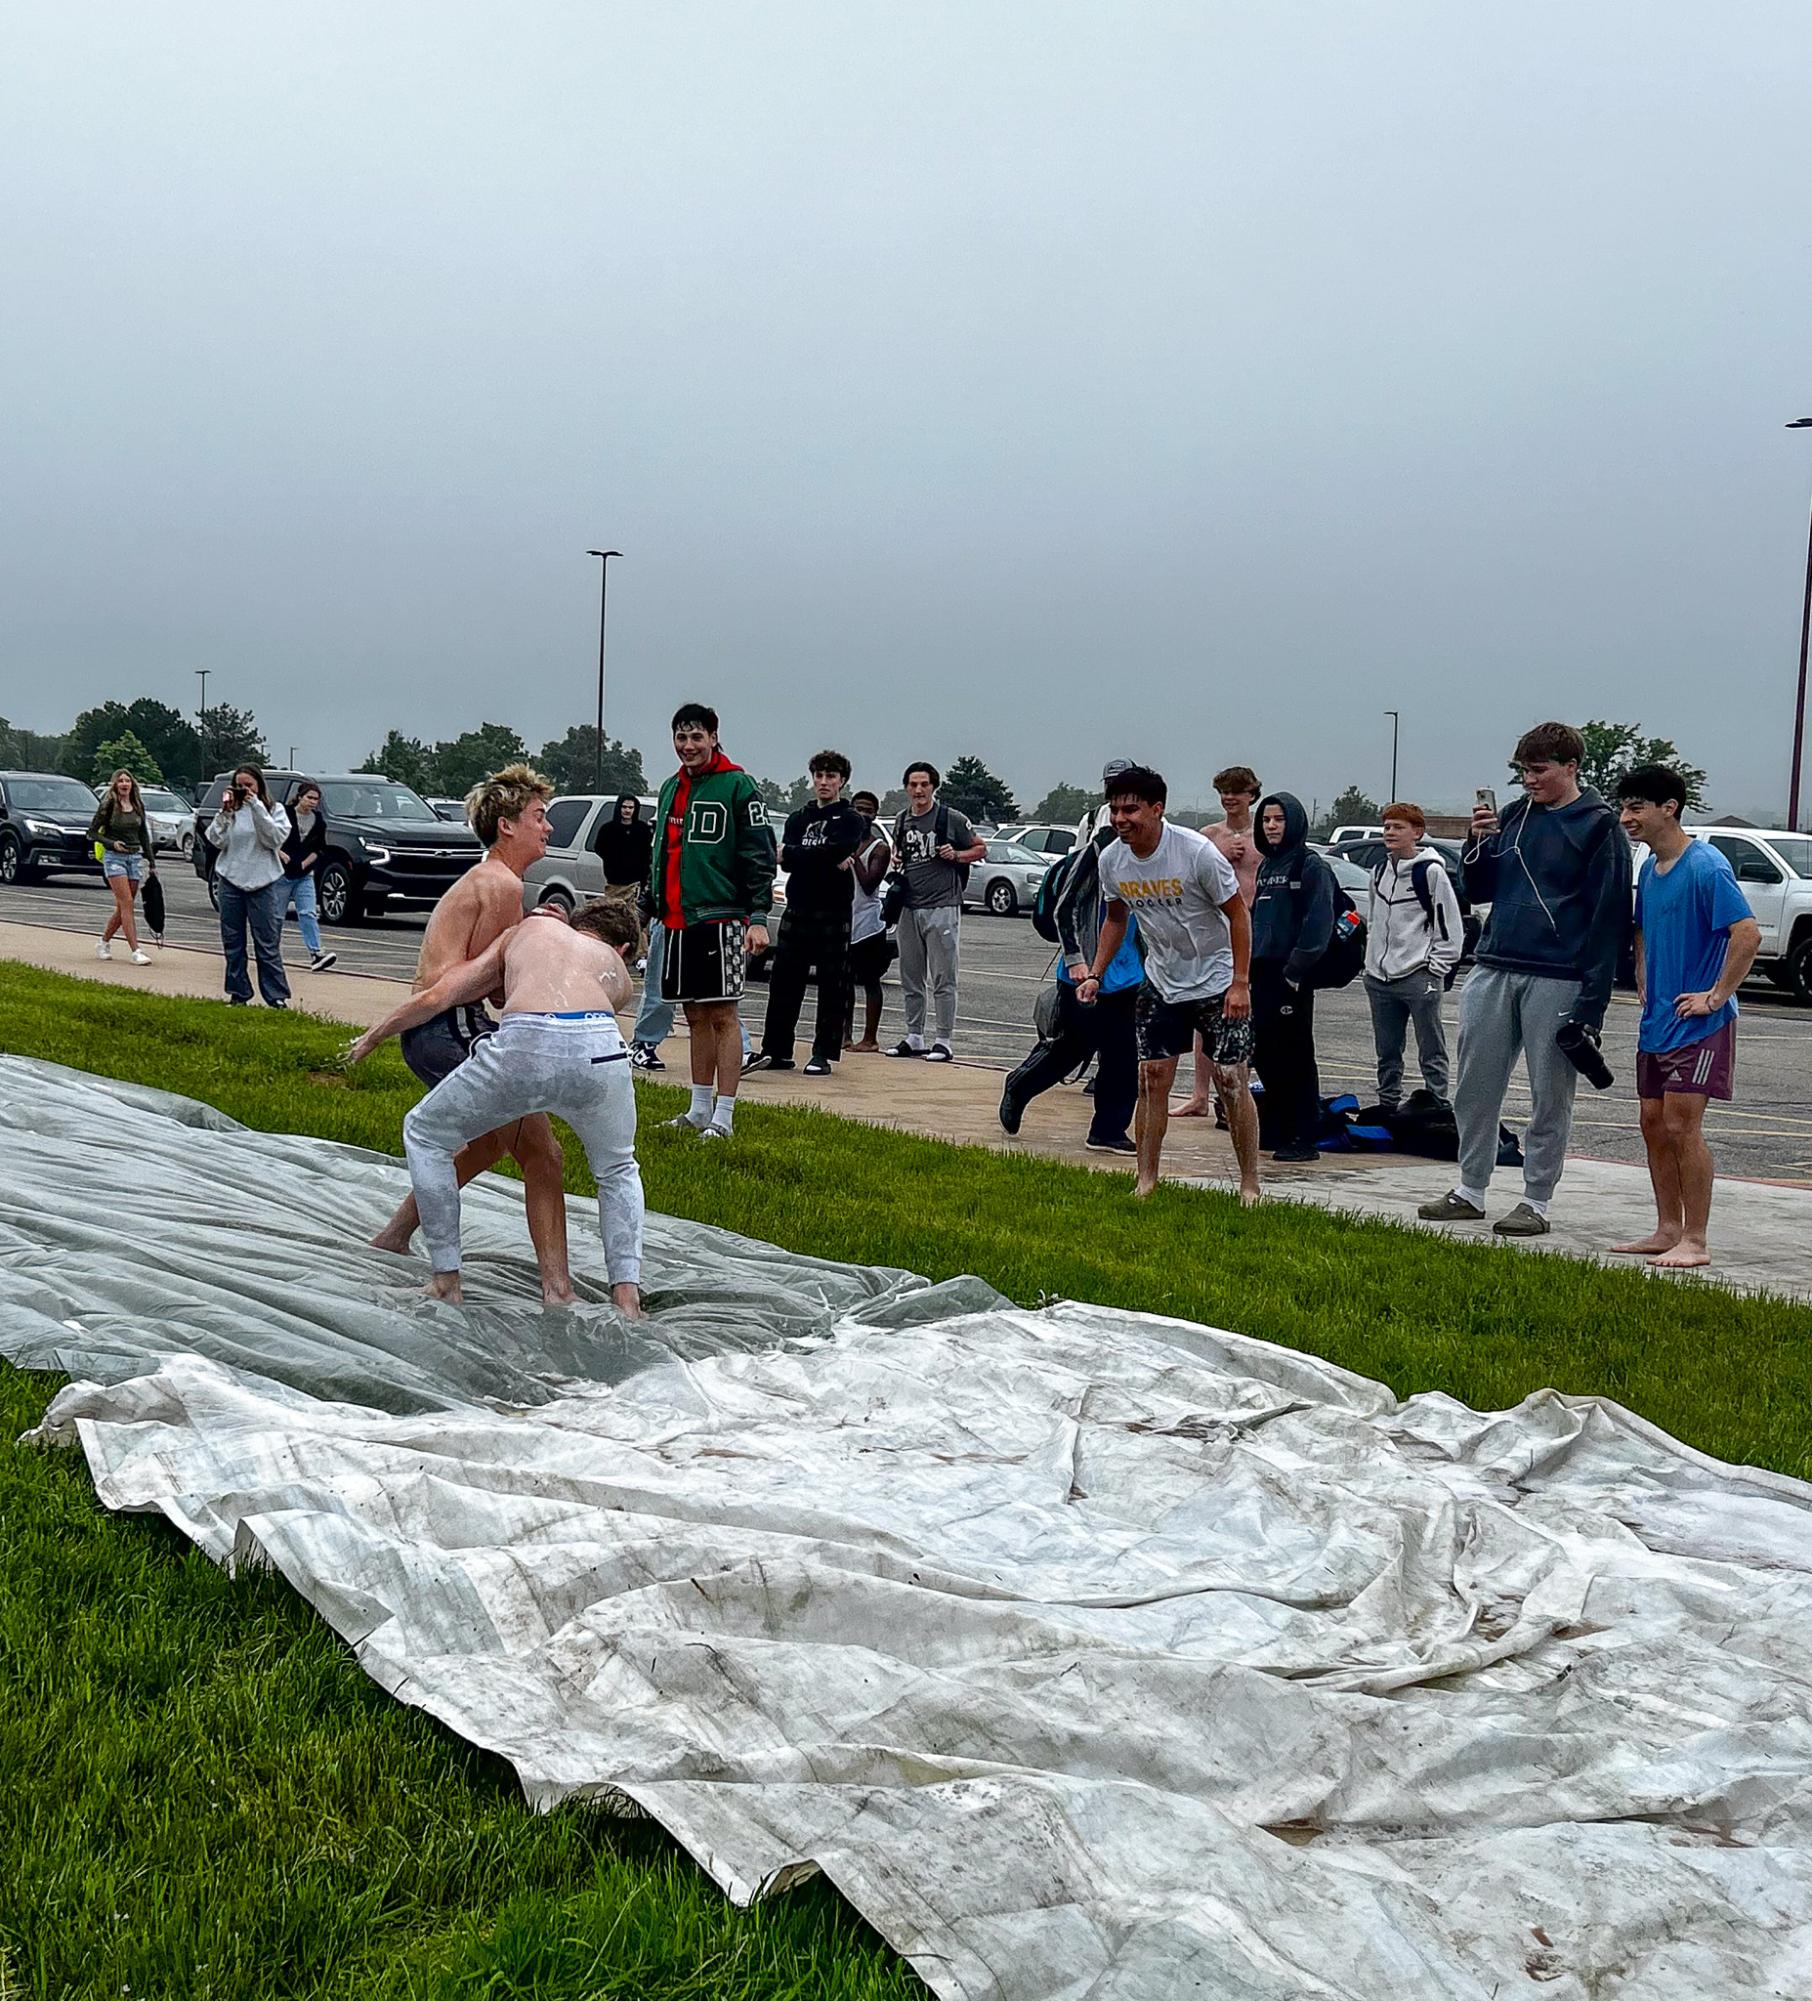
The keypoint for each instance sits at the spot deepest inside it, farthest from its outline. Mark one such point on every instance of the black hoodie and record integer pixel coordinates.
(624, 846)
(1293, 908)
(1558, 882)
(817, 842)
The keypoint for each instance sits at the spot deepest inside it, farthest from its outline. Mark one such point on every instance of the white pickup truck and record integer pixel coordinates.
(1774, 870)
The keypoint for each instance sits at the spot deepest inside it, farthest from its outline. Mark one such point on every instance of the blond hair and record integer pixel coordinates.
(504, 795)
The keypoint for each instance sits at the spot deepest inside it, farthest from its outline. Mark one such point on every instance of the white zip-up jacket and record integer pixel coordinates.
(1400, 939)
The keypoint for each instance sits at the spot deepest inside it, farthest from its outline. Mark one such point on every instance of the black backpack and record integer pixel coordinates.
(1344, 959)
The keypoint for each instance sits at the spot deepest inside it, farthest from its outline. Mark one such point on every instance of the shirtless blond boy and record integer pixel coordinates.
(508, 813)
(557, 1049)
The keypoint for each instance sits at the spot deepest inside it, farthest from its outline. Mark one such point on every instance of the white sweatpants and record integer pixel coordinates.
(574, 1066)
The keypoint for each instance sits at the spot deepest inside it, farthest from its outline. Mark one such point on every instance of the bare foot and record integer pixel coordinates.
(1192, 1108)
(556, 1292)
(445, 1285)
(1142, 1187)
(863, 1048)
(628, 1301)
(1249, 1198)
(392, 1238)
(1646, 1247)
(1684, 1256)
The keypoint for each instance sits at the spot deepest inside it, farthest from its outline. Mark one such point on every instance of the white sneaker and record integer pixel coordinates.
(141, 958)
(103, 950)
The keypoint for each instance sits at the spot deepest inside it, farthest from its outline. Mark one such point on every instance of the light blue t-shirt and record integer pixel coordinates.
(1685, 918)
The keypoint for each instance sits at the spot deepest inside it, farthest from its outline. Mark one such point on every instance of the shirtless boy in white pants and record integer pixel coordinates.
(557, 1050)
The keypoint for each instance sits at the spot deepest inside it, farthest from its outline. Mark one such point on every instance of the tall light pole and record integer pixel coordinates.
(1805, 632)
(1394, 719)
(603, 556)
(202, 713)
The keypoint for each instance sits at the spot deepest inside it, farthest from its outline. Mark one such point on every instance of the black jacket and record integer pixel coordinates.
(625, 847)
(1558, 882)
(296, 846)
(817, 840)
(1294, 905)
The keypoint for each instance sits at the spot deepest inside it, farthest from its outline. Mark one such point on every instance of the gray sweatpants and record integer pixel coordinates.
(572, 1065)
(1503, 1014)
(928, 952)
(1416, 997)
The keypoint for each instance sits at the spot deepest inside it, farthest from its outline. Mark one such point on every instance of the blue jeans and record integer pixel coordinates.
(299, 893)
(262, 911)
(654, 1018)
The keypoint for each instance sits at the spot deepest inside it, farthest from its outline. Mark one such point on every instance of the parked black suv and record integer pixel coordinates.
(385, 846)
(44, 821)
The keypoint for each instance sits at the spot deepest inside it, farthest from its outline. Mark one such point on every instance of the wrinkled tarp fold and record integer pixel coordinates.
(1091, 1654)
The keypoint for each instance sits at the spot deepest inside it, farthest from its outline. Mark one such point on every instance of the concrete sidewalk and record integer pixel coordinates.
(1760, 1230)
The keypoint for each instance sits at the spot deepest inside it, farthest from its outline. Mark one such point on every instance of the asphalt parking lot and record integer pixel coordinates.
(1766, 1133)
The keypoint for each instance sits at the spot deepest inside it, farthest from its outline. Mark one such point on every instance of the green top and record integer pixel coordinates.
(113, 824)
(725, 848)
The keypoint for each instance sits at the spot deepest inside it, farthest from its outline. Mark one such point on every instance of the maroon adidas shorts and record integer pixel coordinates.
(1706, 1068)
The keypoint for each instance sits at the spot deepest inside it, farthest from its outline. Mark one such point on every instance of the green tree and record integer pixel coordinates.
(1352, 808)
(230, 736)
(571, 762)
(973, 789)
(893, 804)
(405, 758)
(124, 753)
(1064, 803)
(171, 739)
(1611, 749)
(459, 763)
(784, 799)
(92, 728)
(30, 750)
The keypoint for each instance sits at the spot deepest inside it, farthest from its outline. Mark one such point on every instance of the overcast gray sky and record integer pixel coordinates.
(1040, 380)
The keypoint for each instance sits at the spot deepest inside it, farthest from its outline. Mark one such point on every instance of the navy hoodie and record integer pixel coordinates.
(1293, 908)
(1558, 882)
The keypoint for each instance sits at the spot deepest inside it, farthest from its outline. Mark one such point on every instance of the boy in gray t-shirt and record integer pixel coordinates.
(933, 847)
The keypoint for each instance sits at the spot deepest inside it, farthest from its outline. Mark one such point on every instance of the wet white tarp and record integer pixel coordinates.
(1089, 1653)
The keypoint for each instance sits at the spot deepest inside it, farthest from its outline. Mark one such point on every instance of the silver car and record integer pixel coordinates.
(1006, 880)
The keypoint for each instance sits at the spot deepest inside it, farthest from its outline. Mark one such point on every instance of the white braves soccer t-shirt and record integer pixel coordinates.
(1176, 892)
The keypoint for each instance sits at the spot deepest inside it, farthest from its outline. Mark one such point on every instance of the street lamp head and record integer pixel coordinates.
(605, 553)
(1801, 424)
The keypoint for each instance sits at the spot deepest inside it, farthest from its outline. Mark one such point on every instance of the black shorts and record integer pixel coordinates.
(437, 1047)
(1169, 1028)
(705, 962)
(869, 959)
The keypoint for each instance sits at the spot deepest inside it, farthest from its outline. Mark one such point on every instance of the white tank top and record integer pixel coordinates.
(865, 911)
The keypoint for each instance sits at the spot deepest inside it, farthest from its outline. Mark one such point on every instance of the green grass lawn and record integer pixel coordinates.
(208, 1798)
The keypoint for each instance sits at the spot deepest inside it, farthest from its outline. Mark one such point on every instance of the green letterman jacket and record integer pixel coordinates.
(714, 856)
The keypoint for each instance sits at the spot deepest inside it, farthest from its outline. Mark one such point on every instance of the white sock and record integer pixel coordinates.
(724, 1118)
(915, 1042)
(1540, 1208)
(1476, 1196)
(699, 1111)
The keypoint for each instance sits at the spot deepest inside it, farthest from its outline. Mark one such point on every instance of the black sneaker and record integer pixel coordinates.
(643, 1056)
(819, 1066)
(1297, 1155)
(905, 1049)
(322, 961)
(1011, 1110)
(1120, 1145)
(761, 1060)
